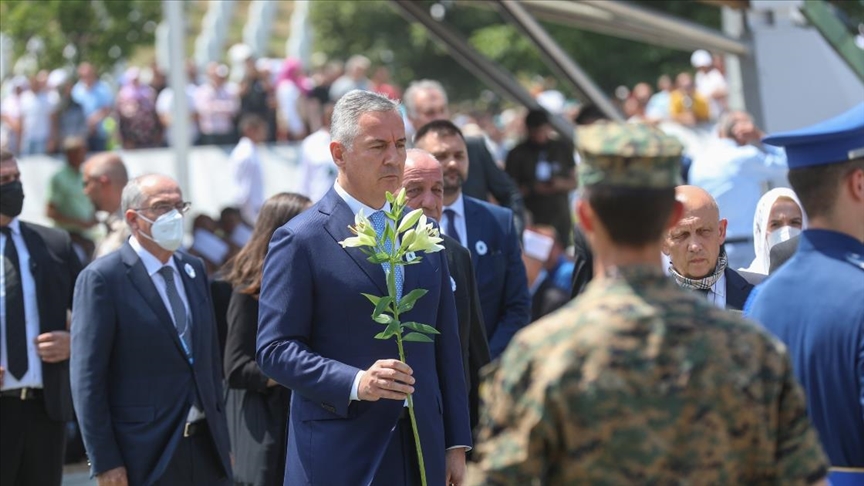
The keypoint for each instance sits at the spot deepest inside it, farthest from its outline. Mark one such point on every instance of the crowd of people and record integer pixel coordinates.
(649, 375)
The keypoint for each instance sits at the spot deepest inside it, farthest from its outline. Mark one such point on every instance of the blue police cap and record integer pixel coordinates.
(828, 142)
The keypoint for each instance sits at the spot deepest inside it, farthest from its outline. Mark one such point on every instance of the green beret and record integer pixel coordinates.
(628, 155)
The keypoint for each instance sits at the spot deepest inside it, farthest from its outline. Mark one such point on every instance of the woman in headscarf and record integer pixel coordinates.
(779, 217)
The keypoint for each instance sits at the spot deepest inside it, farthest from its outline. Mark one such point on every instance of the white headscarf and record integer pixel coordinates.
(762, 262)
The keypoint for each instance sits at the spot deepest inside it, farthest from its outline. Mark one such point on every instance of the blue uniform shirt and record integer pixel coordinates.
(815, 305)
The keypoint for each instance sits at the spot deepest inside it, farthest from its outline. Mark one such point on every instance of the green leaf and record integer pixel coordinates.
(382, 335)
(392, 329)
(372, 298)
(379, 258)
(407, 302)
(416, 326)
(417, 338)
(390, 198)
(382, 306)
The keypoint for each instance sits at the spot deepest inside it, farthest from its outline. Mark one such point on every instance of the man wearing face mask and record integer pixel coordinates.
(39, 268)
(694, 247)
(146, 370)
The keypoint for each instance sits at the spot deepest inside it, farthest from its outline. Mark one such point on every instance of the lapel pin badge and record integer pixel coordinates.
(410, 256)
(189, 270)
(481, 248)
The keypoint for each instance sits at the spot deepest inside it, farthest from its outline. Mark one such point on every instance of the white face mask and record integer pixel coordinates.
(166, 231)
(780, 235)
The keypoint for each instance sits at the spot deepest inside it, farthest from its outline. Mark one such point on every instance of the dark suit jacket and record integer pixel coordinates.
(781, 252)
(472, 332)
(501, 279)
(257, 414)
(54, 266)
(315, 333)
(583, 262)
(737, 290)
(133, 383)
(485, 177)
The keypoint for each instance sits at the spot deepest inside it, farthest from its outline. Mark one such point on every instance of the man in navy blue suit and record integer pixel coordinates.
(348, 423)
(485, 229)
(145, 368)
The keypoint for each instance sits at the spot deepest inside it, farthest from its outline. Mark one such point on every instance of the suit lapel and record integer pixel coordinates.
(471, 224)
(144, 285)
(340, 217)
(39, 263)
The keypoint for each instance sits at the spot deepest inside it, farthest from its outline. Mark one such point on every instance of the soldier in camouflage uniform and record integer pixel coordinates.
(637, 381)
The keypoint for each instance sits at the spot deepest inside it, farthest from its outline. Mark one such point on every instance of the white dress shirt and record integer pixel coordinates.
(33, 377)
(249, 179)
(458, 208)
(153, 265)
(356, 206)
(736, 177)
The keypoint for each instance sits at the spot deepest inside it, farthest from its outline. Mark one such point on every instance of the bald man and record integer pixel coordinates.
(695, 248)
(104, 176)
(423, 181)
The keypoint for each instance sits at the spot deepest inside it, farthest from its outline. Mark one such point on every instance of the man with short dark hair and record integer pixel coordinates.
(698, 260)
(38, 268)
(815, 302)
(636, 380)
(544, 170)
(488, 231)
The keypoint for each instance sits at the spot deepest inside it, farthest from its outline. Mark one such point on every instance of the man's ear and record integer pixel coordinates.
(131, 219)
(855, 184)
(337, 151)
(722, 227)
(674, 217)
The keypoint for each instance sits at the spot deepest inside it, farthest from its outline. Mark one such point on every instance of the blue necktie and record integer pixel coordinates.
(379, 221)
(178, 310)
(451, 225)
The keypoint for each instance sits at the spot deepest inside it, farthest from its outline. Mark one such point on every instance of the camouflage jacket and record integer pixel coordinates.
(639, 382)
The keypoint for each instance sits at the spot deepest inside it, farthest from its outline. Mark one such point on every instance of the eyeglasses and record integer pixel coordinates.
(160, 209)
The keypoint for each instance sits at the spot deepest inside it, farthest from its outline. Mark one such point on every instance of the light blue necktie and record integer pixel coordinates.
(379, 219)
(178, 310)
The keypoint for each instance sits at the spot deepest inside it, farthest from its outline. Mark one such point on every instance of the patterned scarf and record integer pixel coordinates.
(701, 283)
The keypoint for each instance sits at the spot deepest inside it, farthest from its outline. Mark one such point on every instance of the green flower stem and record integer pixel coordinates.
(413, 417)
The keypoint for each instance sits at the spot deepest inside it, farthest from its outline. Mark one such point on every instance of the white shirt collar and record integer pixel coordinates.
(15, 226)
(151, 263)
(356, 205)
(458, 206)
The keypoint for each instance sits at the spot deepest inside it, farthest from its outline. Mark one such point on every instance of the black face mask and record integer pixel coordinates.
(11, 199)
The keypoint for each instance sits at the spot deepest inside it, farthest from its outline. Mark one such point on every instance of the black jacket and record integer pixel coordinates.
(55, 267)
(484, 178)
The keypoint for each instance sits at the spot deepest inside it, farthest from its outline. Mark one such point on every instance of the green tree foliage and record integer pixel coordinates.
(374, 29)
(101, 31)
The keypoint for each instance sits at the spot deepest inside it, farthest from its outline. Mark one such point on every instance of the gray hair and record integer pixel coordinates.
(344, 126)
(133, 197)
(417, 86)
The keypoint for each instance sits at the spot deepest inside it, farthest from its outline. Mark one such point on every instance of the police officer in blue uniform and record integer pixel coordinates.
(815, 302)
